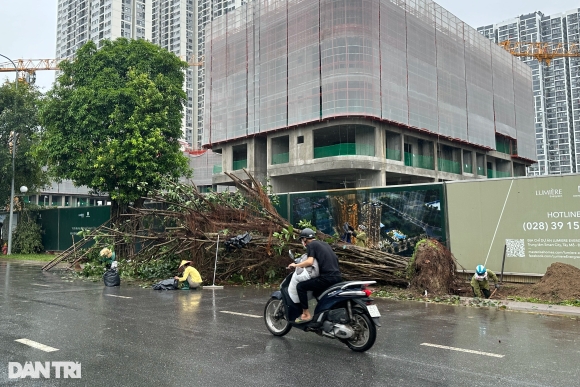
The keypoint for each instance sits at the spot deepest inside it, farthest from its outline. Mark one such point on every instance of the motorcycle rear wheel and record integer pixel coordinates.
(365, 333)
(276, 322)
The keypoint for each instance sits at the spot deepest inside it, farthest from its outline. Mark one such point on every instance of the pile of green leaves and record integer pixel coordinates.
(150, 270)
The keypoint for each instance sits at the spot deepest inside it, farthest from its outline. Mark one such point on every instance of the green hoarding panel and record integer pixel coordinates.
(282, 205)
(48, 220)
(73, 220)
(60, 225)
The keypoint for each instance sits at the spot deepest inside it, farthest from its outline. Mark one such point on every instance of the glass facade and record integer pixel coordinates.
(280, 63)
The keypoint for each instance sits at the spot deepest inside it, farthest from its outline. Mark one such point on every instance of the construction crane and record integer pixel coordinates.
(27, 68)
(542, 51)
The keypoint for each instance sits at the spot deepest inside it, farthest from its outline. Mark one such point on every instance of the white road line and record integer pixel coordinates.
(46, 286)
(462, 350)
(36, 345)
(241, 314)
(112, 295)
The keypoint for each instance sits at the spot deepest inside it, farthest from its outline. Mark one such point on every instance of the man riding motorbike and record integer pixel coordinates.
(329, 273)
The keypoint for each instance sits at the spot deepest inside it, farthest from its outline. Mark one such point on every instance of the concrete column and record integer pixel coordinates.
(435, 156)
(259, 155)
(251, 154)
(227, 158)
(305, 151)
(380, 150)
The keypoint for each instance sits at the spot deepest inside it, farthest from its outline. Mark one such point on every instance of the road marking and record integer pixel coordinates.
(46, 286)
(36, 345)
(112, 295)
(241, 314)
(462, 350)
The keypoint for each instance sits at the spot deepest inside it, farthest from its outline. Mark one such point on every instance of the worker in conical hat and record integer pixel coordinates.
(190, 277)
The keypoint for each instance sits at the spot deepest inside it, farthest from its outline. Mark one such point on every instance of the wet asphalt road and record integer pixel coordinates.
(129, 336)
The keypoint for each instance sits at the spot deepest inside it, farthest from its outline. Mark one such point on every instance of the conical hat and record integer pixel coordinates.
(184, 262)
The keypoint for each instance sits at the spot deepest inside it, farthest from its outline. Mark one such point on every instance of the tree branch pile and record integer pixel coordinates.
(181, 223)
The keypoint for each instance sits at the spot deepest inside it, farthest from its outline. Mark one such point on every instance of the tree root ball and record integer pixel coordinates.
(432, 268)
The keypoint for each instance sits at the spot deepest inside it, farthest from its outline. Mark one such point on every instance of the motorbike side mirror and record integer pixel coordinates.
(291, 254)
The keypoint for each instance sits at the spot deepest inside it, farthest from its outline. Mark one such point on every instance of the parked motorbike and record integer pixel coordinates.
(344, 312)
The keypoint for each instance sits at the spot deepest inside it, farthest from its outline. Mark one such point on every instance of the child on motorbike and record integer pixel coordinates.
(301, 274)
(329, 273)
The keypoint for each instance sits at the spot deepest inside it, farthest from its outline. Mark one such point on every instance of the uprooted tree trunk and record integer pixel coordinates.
(433, 268)
(181, 223)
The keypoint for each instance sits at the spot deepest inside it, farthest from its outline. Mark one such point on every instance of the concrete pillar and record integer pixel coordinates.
(380, 141)
(227, 157)
(436, 156)
(259, 155)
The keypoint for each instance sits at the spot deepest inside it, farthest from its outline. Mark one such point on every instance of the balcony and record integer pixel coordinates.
(491, 174)
(467, 168)
(393, 154)
(449, 166)
(419, 161)
(217, 169)
(239, 164)
(280, 158)
(345, 149)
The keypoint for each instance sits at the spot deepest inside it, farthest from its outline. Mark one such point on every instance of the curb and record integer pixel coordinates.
(527, 307)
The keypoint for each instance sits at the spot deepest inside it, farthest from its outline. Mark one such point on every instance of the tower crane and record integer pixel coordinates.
(27, 68)
(542, 51)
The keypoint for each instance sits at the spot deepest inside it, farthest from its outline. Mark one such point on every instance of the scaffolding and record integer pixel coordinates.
(407, 62)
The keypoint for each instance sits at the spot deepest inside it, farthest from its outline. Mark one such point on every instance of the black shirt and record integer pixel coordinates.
(327, 259)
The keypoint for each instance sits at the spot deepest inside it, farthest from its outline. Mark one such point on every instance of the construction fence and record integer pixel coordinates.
(521, 225)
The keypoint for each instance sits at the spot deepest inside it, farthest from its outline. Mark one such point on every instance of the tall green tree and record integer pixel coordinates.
(19, 113)
(113, 119)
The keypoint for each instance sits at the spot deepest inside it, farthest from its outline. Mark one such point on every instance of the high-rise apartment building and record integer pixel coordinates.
(79, 21)
(207, 10)
(173, 28)
(176, 25)
(556, 87)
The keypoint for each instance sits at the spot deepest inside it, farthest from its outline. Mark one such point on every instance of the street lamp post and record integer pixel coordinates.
(23, 190)
(13, 156)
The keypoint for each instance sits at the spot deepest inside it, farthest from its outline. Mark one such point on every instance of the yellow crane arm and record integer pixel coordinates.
(30, 65)
(542, 51)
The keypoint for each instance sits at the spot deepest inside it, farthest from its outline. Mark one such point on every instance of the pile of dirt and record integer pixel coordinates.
(561, 282)
(433, 268)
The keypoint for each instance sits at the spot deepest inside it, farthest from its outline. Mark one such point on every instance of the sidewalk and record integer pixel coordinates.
(528, 307)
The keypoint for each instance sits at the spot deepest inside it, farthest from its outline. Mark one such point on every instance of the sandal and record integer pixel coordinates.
(299, 320)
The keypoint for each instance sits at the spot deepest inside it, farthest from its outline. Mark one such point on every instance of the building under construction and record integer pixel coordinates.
(357, 93)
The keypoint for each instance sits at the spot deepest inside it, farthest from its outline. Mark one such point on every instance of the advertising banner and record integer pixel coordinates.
(536, 220)
(393, 218)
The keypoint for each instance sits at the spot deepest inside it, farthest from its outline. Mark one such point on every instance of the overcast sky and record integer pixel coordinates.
(28, 27)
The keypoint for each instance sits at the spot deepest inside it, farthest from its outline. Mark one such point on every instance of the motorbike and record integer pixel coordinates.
(344, 311)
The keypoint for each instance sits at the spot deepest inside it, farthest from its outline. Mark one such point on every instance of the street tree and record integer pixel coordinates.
(19, 107)
(113, 119)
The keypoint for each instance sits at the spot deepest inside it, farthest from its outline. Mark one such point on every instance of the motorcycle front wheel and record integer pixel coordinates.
(365, 333)
(275, 317)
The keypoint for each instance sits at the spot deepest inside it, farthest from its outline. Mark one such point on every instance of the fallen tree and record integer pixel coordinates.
(182, 223)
